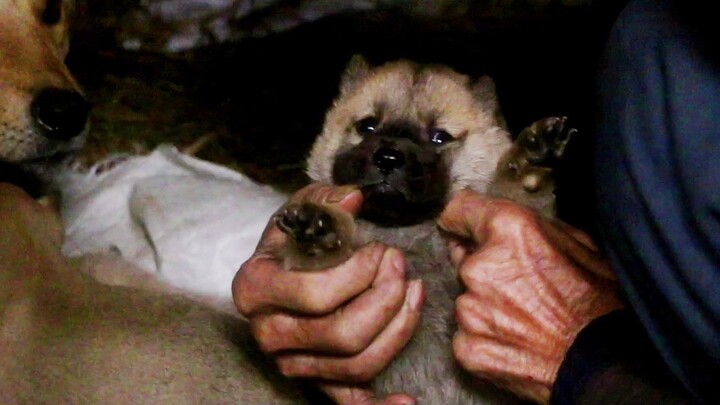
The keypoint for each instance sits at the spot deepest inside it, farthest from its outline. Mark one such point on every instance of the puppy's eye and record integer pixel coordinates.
(52, 13)
(367, 125)
(441, 137)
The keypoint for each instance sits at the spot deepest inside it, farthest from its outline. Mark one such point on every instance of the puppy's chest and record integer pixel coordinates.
(425, 251)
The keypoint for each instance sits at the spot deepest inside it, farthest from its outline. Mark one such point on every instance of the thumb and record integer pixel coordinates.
(466, 216)
(348, 198)
(353, 395)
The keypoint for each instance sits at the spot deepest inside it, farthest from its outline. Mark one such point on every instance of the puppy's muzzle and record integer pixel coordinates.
(388, 159)
(60, 114)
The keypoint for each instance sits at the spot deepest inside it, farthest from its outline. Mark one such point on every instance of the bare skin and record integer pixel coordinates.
(344, 324)
(513, 330)
(531, 285)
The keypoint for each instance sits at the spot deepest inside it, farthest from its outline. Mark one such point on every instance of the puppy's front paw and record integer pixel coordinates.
(543, 142)
(311, 227)
(319, 237)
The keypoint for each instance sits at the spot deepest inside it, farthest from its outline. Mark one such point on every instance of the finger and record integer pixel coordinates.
(348, 198)
(579, 235)
(577, 250)
(366, 365)
(458, 251)
(470, 215)
(475, 217)
(470, 317)
(346, 331)
(262, 285)
(490, 358)
(352, 395)
(488, 268)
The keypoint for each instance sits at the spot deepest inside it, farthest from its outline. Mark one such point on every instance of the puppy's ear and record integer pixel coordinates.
(357, 70)
(484, 91)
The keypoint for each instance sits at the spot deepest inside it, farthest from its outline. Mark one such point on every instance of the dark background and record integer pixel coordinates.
(264, 99)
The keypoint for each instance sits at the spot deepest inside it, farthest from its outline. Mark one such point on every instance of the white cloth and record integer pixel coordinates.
(191, 222)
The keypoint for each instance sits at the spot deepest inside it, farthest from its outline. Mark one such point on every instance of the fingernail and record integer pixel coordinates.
(402, 400)
(285, 368)
(395, 259)
(339, 193)
(289, 368)
(415, 294)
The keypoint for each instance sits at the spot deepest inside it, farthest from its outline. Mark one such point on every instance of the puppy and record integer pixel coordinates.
(410, 137)
(43, 113)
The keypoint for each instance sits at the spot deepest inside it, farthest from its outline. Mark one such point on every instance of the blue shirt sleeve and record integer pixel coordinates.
(612, 361)
(657, 172)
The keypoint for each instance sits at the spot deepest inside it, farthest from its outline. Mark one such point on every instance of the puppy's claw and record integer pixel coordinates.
(311, 227)
(543, 142)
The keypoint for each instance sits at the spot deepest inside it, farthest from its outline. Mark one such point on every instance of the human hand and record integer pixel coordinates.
(342, 325)
(531, 285)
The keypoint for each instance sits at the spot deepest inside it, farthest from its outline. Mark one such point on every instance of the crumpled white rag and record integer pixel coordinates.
(191, 222)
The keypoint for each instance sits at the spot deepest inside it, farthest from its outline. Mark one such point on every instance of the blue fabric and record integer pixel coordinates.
(658, 180)
(612, 361)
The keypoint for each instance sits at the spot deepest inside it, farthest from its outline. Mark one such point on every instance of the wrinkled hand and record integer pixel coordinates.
(531, 285)
(342, 325)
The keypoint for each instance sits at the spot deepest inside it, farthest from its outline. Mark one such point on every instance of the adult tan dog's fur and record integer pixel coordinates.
(33, 46)
(410, 137)
(65, 337)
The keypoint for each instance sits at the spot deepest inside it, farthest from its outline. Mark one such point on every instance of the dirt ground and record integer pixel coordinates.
(263, 100)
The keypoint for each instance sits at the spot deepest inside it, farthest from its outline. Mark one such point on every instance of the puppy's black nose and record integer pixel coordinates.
(61, 114)
(388, 159)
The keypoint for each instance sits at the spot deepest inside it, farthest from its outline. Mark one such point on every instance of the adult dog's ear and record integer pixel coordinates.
(484, 91)
(357, 70)
(56, 15)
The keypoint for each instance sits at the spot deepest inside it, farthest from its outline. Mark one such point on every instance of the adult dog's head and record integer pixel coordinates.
(43, 113)
(409, 136)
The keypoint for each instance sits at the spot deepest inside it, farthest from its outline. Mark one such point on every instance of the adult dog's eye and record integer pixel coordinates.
(367, 125)
(52, 13)
(441, 137)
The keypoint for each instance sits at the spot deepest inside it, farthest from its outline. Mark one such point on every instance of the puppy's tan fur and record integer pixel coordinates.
(65, 337)
(481, 157)
(403, 92)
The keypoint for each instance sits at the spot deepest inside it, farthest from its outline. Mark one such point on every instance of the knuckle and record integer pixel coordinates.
(348, 341)
(359, 372)
(241, 295)
(476, 273)
(461, 352)
(314, 301)
(512, 216)
(462, 309)
(264, 334)
(287, 368)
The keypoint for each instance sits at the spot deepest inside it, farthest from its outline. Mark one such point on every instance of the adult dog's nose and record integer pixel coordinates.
(388, 159)
(61, 114)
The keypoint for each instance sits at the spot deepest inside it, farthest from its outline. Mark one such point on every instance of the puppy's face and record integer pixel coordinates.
(42, 111)
(409, 136)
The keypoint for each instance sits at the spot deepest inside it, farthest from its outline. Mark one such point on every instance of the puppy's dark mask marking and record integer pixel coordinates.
(403, 179)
